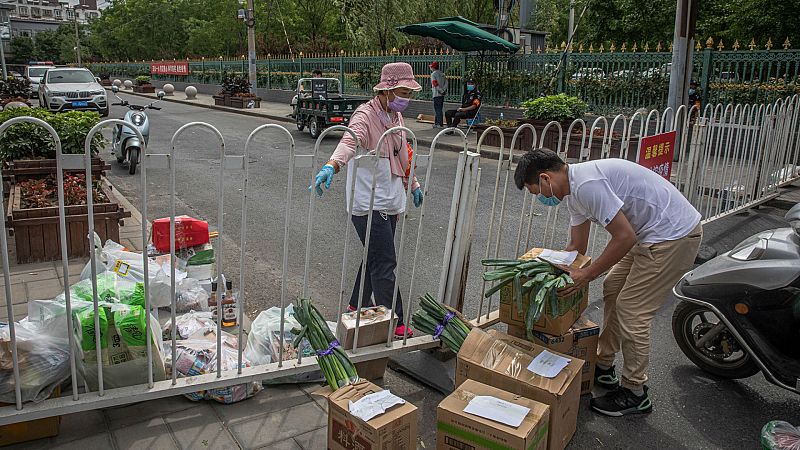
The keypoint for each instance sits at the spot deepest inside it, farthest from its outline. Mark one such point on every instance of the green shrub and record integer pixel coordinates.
(559, 107)
(15, 87)
(142, 80)
(31, 141)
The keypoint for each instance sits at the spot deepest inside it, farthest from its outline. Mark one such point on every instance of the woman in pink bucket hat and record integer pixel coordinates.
(369, 122)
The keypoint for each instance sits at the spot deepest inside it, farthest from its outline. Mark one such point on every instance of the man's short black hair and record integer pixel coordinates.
(535, 162)
(316, 72)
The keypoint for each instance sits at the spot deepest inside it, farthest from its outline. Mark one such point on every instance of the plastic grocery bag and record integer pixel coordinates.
(263, 344)
(780, 435)
(190, 324)
(123, 345)
(130, 267)
(43, 363)
(199, 357)
(190, 296)
(111, 288)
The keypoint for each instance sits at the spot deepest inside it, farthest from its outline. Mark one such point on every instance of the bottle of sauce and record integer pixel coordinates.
(230, 310)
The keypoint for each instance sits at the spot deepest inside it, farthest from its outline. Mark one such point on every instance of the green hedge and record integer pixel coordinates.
(31, 141)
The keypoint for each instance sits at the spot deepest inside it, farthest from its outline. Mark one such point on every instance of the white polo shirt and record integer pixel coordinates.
(600, 189)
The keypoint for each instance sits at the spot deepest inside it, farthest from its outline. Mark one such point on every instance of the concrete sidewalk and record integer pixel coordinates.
(281, 112)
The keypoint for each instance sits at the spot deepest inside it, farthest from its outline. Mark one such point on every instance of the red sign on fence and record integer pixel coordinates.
(656, 153)
(169, 68)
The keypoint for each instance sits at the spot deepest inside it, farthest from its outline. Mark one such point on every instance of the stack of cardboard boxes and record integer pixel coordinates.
(565, 330)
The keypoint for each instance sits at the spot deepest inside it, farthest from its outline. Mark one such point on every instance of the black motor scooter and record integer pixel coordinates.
(740, 312)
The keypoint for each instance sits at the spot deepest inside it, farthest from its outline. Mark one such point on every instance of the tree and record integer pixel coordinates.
(48, 46)
(23, 49)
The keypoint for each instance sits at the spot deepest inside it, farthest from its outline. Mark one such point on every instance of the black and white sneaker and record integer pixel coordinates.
(606, 379)
(621, 402)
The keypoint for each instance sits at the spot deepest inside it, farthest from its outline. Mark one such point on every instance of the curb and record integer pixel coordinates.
(490, 154)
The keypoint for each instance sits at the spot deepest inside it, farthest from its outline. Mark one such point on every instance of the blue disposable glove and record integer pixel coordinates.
(418, 197)
(325, 176)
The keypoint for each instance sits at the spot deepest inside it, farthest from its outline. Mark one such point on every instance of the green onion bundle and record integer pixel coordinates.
(543, 282)
(435, 319)
(333, 361)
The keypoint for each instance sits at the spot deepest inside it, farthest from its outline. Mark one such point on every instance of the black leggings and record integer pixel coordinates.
(381, 262)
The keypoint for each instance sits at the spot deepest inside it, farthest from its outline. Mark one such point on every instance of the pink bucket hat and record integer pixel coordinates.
(395, 75)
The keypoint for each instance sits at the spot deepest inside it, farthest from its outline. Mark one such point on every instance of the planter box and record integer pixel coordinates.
(596, 150)
(551, 138)
(221, 100)
(23, 169)
(146, 89)
(105, 82)
(524, 140)
(241, 102)
(36, 230)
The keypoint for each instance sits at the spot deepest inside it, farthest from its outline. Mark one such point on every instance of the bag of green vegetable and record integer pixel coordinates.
(780, 435)
(336, 366)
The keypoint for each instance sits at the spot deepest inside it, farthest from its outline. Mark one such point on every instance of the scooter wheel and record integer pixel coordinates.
(133, 158)
(722, 355)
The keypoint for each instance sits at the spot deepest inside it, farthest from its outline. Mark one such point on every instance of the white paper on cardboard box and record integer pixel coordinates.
(547, 364)
(373, 405)
(496, 409)
(558, 257)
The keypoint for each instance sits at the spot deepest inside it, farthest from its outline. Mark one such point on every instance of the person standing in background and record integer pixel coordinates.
(438, 90)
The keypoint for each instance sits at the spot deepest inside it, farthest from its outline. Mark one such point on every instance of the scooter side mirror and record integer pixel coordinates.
(160, 95)
(114, 89)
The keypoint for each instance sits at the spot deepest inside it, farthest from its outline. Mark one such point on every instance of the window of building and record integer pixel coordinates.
(69, 14)
(92, 15)
(47, 12)
(57, 13)
(36, 12)
(23, 10)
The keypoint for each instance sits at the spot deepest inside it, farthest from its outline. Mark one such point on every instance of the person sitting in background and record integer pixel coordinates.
(316, 73)
(470, 103)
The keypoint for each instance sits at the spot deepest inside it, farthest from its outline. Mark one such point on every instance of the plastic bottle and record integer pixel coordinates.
(501, 116)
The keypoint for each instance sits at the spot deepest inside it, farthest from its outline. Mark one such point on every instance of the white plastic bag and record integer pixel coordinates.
(188, 324)
(263, 344)
(129, 266)
(199, 357)
(43, 360)
(191, 296)
(780, 435)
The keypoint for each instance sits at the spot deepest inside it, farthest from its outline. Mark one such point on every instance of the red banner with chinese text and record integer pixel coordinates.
(656, 153)
(169, 68)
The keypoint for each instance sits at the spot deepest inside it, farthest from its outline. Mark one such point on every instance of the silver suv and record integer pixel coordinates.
(69, 89)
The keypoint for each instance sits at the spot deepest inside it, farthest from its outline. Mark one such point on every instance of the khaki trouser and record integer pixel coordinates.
(633, 291)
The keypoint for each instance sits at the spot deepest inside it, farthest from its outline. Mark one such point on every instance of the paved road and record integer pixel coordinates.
(692, 409)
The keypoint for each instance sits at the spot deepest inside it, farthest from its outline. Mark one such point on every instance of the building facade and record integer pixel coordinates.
(29, 17)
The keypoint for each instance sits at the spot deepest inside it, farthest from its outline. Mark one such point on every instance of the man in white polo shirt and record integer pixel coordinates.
(655, 234)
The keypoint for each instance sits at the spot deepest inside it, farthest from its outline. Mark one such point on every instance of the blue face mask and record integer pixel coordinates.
(548, 201)
(470, 87)
(691, 91)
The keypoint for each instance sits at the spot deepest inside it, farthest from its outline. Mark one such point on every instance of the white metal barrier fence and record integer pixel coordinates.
(728, 159)
(84, 398)
(719, 153)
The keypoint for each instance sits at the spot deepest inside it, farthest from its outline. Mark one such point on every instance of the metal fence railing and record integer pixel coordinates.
(610, 80)
(730, 158)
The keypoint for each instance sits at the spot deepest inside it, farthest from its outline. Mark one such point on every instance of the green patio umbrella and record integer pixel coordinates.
(460, 34)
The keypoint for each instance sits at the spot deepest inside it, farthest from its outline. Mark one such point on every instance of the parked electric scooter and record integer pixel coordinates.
(125, 143)
(740, 312)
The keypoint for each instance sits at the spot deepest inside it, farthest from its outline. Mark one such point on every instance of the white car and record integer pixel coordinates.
(70, 89)
(594, 73)
(34, 75)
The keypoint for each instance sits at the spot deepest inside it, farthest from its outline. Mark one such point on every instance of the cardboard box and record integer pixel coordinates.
(373, 328)
(372, 369)
(458, 429)
(570, 307)
(579, 341)
(32, 429)
(500, 360)
(395, 429)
